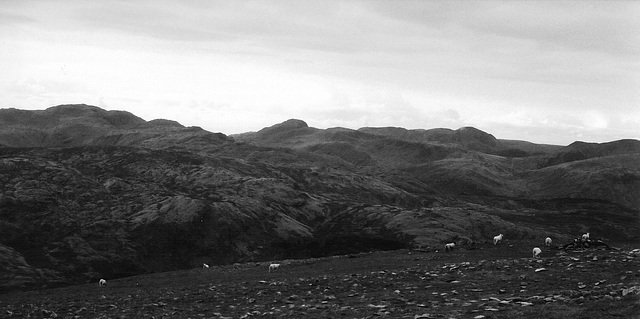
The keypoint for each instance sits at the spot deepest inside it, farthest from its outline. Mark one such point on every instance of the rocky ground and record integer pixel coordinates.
(490, 282)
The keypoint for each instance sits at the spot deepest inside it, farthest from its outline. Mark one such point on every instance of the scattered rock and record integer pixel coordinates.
(632, 290)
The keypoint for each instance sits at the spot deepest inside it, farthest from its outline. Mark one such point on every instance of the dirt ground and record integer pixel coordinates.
(501, 281)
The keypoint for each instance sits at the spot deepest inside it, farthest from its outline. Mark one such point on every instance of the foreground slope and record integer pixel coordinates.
(491, 282)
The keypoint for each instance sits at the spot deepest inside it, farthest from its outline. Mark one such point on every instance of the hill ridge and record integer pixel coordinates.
(85, 125)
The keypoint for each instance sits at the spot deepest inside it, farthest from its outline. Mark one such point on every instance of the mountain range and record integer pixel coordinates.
(89, 193)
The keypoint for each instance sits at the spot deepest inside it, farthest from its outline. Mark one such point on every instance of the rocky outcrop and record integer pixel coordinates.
(16, 273)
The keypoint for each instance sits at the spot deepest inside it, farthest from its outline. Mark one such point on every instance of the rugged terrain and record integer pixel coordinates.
(488, 282)
(89, 193)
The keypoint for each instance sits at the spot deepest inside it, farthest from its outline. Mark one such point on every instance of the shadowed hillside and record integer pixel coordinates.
(84, 125)
(89, 193)
(468, 161)
(468, 137)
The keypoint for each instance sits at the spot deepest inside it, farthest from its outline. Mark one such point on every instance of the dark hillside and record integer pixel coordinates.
(87, 193)
(613, 178)
(84, 125)
(578, 151)
(468, 161)
(468, 137)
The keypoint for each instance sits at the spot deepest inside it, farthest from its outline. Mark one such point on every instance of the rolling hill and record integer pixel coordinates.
(469, 161)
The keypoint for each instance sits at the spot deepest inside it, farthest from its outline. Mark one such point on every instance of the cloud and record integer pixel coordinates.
(595, 120)
(417, 64)
(168, 20)
(605, 27)
(11, 19)
(609, 26)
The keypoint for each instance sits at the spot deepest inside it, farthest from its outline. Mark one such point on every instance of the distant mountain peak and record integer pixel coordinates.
(93, 115)
(470, 129)
(73, 108)
(292, 123)
(80, 124)
(165, 123)
(468, 134)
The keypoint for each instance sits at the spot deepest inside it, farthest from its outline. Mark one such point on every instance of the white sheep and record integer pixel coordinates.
(536, 252)
(449, 246)
(585, 237)
(205, 265)
(497, 239)
(547, 241)
(273, 267)
(102, 282)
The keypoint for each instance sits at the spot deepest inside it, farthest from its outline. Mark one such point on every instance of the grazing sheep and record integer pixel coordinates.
(547, 242)
(536, 252)
(497, 239)
(273, 267)
(449, 246)
(102, 282)
(585, 237)
(205, 266)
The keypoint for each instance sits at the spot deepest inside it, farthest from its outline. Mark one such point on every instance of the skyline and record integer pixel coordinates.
(545, 72)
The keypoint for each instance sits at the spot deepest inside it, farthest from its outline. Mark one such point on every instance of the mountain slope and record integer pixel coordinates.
(88, 193)
(468, 161)
(578, 151)
(84, 125)
(614, 178)
(467, 137)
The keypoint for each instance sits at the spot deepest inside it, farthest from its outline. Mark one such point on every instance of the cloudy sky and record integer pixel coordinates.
(543, 71)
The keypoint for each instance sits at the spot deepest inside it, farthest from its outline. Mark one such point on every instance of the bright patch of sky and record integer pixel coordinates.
(543, 71)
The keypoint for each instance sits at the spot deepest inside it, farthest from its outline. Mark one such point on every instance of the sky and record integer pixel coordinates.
(548, 72)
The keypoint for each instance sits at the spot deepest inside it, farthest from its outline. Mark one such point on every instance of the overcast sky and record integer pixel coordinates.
(543, 71)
